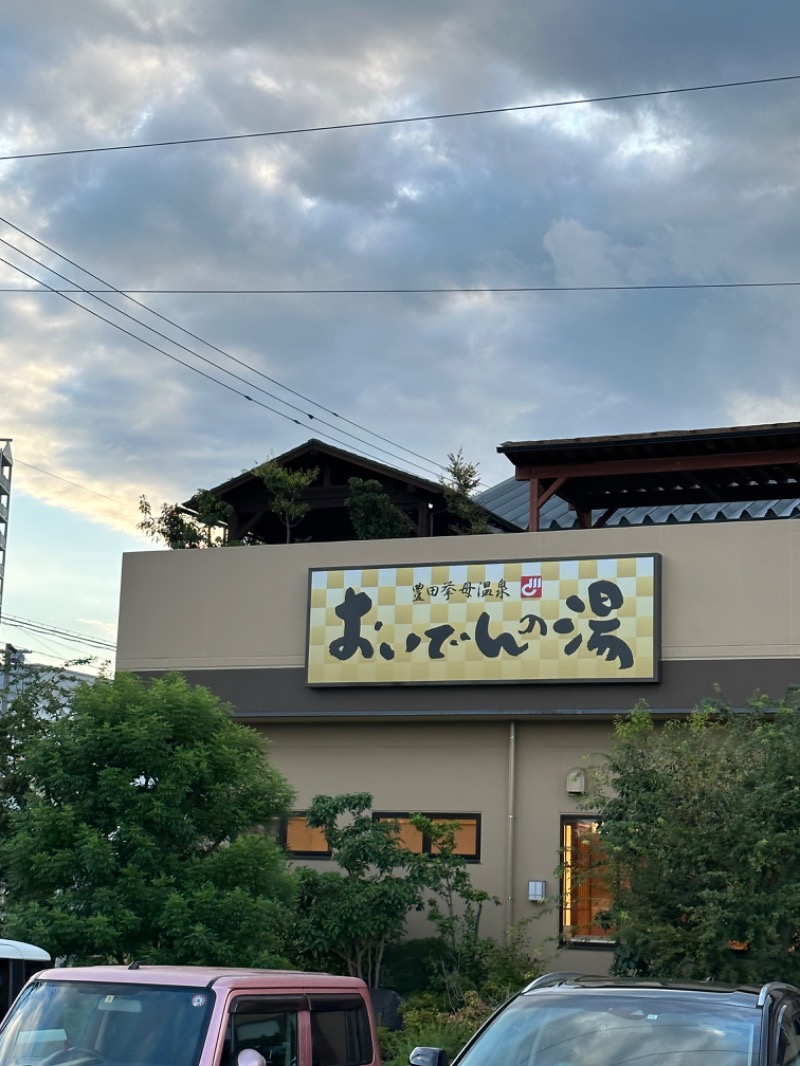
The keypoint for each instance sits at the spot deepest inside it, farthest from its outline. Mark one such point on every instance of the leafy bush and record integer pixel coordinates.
(411, 968)
(426, 1026)
(510, 965)
(700, 821)
(353, 913)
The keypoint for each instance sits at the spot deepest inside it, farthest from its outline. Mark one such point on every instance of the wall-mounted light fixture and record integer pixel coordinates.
(537, 891)
(576, 782)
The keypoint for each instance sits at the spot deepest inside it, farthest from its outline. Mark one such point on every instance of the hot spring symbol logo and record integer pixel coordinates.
(530, 587)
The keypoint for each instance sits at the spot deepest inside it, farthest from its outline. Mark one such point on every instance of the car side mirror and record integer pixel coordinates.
(427, 1056)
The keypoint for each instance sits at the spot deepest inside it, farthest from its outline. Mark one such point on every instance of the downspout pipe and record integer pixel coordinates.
(512, 817)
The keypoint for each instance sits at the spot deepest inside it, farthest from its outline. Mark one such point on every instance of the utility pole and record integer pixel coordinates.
(6, 467)
(7, 653)
(12, 658)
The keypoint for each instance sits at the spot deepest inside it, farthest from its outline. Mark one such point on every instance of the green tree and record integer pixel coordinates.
(349, 917)
(146, 832)
(461, 481)
(454, 906)
(33, 697)
(700, 823)
(372, 513)
(286, 488)
(178, 527)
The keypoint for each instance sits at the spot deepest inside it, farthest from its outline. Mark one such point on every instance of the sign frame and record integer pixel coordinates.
(649, 677)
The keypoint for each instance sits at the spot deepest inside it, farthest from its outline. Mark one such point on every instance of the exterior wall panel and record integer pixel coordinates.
(729, 591)
(234, 619)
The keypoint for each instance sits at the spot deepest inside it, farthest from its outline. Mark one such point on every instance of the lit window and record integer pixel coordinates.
(299, 839)
(467, 834)
(585, 892)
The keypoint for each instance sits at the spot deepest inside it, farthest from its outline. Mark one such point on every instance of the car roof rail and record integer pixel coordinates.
(549, 979)
(771, 988)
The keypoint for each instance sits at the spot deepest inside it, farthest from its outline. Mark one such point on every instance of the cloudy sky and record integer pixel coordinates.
(696, 188)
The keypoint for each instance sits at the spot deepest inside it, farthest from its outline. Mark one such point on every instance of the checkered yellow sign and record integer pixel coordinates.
(450, 623)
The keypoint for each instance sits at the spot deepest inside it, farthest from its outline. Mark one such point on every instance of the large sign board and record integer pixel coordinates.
(529, 620)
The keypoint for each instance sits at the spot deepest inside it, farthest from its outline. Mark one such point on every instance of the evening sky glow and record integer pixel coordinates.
(686, 189)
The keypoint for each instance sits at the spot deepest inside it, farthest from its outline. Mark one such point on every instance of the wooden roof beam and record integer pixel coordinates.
(669, 464)
(244, 529)
(537, 498)
(604, 517)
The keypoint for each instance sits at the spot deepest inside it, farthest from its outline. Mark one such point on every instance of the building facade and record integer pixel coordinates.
(487, 705)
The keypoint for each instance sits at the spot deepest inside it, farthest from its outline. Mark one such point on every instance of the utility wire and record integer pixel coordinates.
(44, 629)
(59, 634)
(220, 351)
(367, 292)
(188, 366)
(59, 650)
(49, 473)
(64, 663)
(65, 642)
(400, 121)
(152, 329)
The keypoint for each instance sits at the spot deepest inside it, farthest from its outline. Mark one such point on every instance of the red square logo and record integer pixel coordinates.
(530, 588)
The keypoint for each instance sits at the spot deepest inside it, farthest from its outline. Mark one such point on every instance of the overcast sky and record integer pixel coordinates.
(695, 188)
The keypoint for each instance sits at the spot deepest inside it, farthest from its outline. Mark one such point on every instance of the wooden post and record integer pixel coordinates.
(533, 507)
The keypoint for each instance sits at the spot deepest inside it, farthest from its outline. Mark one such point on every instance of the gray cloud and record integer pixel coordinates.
(693, 188)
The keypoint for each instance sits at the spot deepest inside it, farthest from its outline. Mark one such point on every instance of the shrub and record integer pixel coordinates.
(426, 1026)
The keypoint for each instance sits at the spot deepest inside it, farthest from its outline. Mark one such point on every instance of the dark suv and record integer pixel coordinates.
(570, 1020)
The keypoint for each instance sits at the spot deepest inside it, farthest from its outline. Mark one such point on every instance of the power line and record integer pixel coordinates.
(400, 121)
(478, 290)
(64, 662)
(220, 351)
(315, 418)
(188, 366)
(68, 635)
(147, 343)
(59, 635)
(49, 473)
(51, 650)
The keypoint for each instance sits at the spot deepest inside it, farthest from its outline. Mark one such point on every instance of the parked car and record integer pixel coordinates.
(18, 962)
(568, 1020)
(188, 1016)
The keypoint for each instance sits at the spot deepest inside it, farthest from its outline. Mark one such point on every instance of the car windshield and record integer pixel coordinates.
(72, 1023)
(609, 1029)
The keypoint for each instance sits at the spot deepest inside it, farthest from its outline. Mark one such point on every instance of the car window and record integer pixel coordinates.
(265, 1025)
(63, 1023)
(578, 1029)
(340, 1031)
(789, 1038)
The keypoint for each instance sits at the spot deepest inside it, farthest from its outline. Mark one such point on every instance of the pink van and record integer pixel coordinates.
(145, 1015)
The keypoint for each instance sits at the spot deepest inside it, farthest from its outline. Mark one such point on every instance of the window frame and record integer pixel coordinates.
(355, 1026)
(582, 942)
(255, 1004)
(461, 818)
(348, 1040)
(283, 839)
(385, 816)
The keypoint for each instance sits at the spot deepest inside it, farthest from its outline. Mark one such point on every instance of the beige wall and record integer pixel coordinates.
(729, 602)
(461, 767)
(729, 590)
